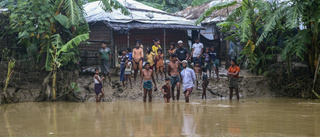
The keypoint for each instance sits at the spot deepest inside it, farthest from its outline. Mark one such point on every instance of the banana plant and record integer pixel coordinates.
(244, 23)
(303, 14)
(54, 27)
(61, 54)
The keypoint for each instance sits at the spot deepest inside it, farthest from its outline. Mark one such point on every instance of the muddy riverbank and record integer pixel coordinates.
(26, 85)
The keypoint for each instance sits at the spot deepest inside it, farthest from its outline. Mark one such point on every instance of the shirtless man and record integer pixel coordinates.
(146, 76)
(137, 61)
(173, 71)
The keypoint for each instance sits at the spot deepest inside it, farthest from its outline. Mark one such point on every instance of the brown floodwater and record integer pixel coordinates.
(249, 117)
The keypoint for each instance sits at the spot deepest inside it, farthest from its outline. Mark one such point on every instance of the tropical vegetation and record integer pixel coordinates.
(52, 29)
(289, 27)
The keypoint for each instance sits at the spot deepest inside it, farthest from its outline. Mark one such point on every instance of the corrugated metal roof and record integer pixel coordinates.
(138, 11)
(138, 25)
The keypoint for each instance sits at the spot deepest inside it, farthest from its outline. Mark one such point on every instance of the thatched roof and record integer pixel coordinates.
(140, 13)
(193, 13)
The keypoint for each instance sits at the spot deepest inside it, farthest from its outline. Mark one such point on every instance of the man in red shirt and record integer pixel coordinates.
(233, 73)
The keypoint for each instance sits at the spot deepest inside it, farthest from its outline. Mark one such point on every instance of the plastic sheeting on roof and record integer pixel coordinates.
(94, 13)
(137, 25)
(4, 10)
(217, 16)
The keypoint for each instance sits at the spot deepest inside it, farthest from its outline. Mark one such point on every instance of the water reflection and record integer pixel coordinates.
(263, 117)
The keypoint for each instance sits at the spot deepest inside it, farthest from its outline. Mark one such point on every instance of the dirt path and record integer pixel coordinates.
(251, 86)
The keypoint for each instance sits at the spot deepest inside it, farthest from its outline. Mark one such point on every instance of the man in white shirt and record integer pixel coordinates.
(188, 77)
(197, 50)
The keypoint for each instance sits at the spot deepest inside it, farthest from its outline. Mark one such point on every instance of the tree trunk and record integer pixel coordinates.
(316, 74)
(54, 82)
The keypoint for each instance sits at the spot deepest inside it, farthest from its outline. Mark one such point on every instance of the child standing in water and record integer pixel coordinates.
(160, 64)
(127, 73)
(98, 85)
(205, 82)
(207, 60)
(166, 90)
(123, 66)
(198, 72)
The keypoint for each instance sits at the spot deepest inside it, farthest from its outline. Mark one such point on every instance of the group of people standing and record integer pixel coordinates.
(204, 59)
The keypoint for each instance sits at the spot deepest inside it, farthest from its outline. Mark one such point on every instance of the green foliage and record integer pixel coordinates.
(109, 4)
(213, 8)
(56, 27)
(295, 13)
(243, 24)
(73, 11)
(75, 87)
(257, 60)
(5, 54)
(295, 45)
(198, 2)
(63, 20)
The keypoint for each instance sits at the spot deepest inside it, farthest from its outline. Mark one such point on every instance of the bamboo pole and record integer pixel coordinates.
(227, 54)
(164, 51)
(164, 45)
(112, 48)
(128, 39)
(316, 74)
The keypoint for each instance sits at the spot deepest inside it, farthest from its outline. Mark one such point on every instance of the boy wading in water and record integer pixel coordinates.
(173, 72)
(159, 65)
(188, 77)
(205, 82)
(137, 61)
(233, 73)
(215, 61)
(146, 76)
(198, 72)
(98, 85)
(166, 90)
(105, 57)
(207, 60)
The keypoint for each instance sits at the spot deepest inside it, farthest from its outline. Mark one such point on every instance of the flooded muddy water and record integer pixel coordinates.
(249, 117)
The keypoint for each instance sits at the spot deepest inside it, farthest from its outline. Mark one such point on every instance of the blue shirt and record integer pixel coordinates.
(188, 77)
(129, 56)
(207, 57)
(213, 55)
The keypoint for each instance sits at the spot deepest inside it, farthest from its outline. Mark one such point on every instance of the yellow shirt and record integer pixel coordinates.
(155, 49)
(150, 58)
